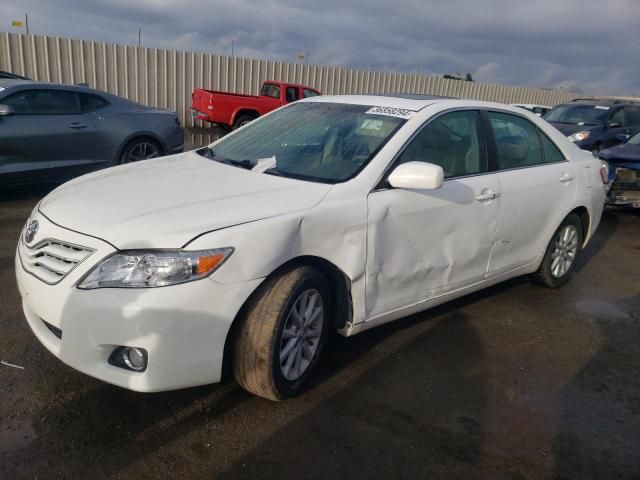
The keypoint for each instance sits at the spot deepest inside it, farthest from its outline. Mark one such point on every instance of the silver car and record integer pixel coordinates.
(50, 132)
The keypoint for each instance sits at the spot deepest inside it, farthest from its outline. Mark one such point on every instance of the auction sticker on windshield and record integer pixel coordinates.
(391, 111)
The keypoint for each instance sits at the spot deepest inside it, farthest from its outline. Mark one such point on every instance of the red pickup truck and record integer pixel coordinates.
(233, 110)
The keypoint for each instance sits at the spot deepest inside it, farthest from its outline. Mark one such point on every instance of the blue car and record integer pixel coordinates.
(595, 124)
(50, 132)
(624, 172)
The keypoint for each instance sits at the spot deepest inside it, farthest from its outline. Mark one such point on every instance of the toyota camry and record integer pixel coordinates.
(335, 213)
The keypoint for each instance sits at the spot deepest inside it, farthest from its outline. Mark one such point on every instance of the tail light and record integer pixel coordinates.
(604, 173)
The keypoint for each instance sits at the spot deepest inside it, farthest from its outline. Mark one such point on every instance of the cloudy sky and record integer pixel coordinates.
(592, 45)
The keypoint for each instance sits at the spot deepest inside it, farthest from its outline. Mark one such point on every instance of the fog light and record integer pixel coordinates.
(134, 358)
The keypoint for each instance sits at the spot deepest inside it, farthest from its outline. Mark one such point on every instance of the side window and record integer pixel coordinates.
(617, 117)
(551, 152)
(292, 94)
(517, 141)
(455, 141)
(20, 101)
(89, 103)
(633, 116)
(44, 102)
(306, 93)
(270, 90)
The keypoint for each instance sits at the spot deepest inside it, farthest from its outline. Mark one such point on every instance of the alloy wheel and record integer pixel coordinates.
(565, 250)
(301, 334)
(142, 151)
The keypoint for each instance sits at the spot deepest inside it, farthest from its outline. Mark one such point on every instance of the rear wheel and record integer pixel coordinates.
(243, 119)
(140, 149)
(283, 333)
(561, 255)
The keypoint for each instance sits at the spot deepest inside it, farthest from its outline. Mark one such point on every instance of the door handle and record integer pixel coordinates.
(487, 194)
(77, 125)
(565, 177)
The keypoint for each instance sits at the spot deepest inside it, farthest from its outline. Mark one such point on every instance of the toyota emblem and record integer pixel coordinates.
(32, 229)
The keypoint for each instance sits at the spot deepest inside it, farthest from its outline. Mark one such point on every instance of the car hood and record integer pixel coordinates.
(627, 152)
(569, 128)
(166, 202)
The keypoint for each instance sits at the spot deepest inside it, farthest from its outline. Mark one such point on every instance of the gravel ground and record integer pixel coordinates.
(513, 382)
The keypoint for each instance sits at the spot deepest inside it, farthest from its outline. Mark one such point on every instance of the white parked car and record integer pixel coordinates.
(332, 213)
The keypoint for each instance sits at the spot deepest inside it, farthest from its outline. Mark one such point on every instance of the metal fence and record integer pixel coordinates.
(165, 78)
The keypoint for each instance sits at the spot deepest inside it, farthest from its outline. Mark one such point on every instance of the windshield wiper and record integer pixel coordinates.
(296, 176)
(276, 172)
(248, 164)
(206, 152)
(210, 154)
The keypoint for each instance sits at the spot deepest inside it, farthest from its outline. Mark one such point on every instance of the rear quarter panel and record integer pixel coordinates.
(120, 127)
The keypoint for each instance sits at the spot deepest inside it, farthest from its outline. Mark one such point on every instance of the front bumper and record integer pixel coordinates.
(183, 327)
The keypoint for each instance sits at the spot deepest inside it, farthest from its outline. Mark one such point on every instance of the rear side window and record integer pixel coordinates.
(551, 152)
(617, 118)
(633, 116)
(455, 141)
(517, 141)
(89, 103)
(292, 94)
(270, 90)
(44, 102)
(306, 93)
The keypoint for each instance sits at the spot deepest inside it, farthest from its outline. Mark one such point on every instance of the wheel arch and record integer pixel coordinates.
(585, 220)
(140, 136)
(244, 111)
(339, 288)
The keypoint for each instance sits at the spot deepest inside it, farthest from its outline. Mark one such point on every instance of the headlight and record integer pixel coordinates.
(143, 269)
(579, 136)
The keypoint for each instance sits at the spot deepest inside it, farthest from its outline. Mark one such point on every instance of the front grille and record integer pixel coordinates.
(55, 330)
(51, 260)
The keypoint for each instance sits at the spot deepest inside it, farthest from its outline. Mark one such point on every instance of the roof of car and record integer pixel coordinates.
(407, 101)
(9, 82)
(601, 101)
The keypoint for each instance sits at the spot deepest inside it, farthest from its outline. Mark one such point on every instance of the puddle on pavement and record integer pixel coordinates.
(15, 435)
(602, 308)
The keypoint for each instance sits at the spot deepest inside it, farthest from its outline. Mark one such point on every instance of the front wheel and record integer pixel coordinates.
(283, 333)
(561, 255)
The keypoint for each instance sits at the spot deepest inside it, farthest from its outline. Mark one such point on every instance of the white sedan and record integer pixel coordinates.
(333, 213)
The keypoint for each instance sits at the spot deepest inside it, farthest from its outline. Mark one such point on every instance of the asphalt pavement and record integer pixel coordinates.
(516, 381)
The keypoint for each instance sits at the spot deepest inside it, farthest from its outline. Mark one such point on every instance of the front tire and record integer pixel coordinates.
(282, 334)
(562, 254)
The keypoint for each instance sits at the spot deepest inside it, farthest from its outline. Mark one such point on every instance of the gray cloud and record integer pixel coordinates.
(584, 44)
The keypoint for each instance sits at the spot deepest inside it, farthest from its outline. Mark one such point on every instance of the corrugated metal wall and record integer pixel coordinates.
(165, 78)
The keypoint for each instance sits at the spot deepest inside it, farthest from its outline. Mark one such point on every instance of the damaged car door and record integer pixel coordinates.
(422, 243)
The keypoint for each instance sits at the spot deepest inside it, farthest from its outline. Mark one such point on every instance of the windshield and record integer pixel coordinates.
(578, 114)
(635, 139)
(325, 142)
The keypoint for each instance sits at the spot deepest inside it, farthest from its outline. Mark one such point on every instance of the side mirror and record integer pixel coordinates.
(417, 175)
(621, 137)
(6, 110)
(613, 125)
